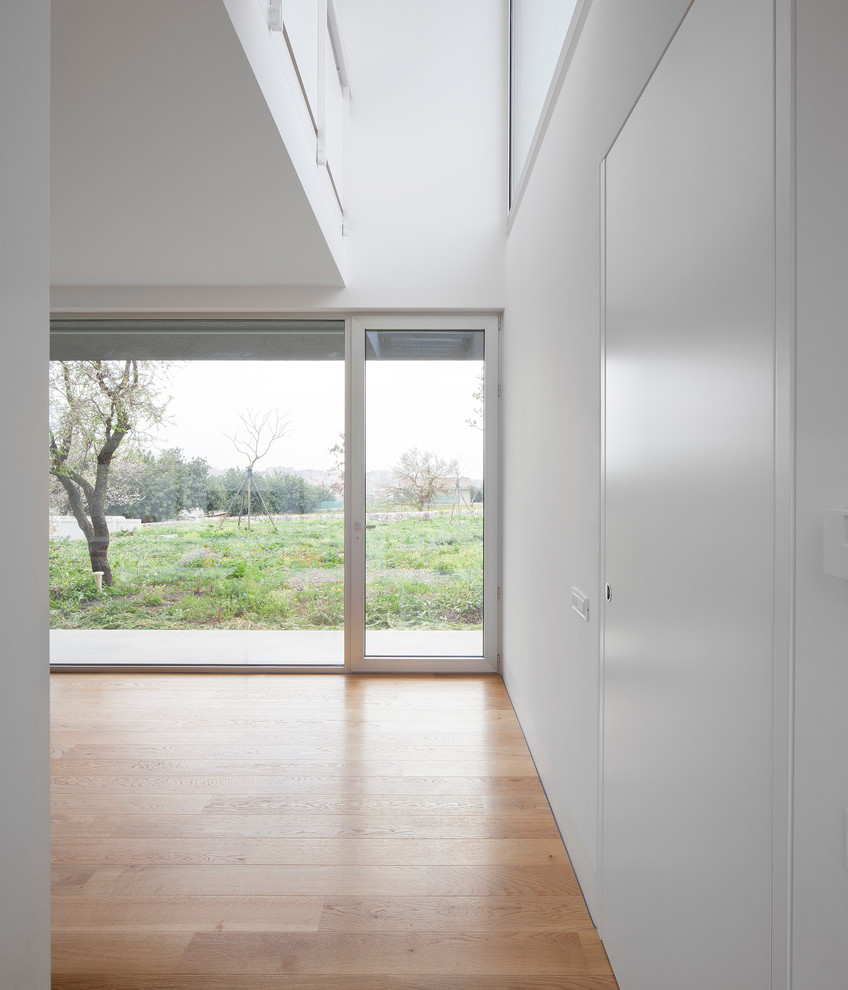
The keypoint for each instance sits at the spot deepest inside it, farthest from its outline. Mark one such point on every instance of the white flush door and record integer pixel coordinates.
(689, 493)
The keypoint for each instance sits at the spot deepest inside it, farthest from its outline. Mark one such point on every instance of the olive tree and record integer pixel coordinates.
(420, 476)
(97, 407)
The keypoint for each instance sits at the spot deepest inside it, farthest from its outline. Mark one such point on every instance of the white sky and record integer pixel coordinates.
(409, 403)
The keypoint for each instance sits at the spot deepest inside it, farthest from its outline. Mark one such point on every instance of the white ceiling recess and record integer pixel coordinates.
(168, 167)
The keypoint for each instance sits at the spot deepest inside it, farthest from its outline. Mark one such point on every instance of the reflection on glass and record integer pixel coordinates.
(424, 493)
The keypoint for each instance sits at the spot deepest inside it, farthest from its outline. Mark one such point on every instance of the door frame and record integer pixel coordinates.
(354, 567)
(355, 658)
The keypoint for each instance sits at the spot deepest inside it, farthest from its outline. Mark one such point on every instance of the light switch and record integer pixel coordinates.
(580, 604)
(846, 840)
(836, 543)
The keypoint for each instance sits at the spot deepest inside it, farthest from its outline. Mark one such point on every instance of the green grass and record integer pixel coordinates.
(422, 574)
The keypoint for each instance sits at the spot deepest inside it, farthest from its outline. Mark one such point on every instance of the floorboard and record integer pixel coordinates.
(262, 832)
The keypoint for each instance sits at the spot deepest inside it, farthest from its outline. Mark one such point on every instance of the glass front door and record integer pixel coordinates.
(422, 528)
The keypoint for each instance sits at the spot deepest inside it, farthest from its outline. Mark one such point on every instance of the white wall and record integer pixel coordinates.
(428, 152)
(821, 754)
(427, 189)
(167, 165)
(24, 740)
(551, 415)
(427, 173)
(551, 435)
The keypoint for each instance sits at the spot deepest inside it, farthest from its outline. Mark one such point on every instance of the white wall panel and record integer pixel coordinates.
(24, 729)
(821, 758)
(551, 401)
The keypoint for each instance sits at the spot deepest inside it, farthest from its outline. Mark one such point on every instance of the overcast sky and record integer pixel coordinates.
(409, 403)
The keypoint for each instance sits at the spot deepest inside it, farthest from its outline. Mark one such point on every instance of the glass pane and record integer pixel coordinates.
(424, 394)
(539, 30)
(221, 527)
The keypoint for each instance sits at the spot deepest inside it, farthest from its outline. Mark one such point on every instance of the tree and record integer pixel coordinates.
(165, 484)
(216, 494)
(95, 407)
(337, 472)
(126, 481)
(421, 476)
(478, 420)
(292, 494)
(258, 434)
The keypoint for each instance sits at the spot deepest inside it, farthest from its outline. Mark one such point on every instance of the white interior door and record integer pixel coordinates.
(689, 493)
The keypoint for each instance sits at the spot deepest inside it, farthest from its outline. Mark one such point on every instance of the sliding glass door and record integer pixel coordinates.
(274, 493)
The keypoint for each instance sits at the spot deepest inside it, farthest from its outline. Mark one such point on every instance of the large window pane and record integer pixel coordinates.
(222, 511)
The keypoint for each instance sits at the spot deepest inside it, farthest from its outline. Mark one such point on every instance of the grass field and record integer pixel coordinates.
(422, 574)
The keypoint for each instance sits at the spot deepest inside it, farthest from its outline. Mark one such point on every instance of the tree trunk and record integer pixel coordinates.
(98, 545)
(96, 531)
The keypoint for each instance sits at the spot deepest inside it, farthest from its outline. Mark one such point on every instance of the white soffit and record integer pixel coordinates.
(167, 165)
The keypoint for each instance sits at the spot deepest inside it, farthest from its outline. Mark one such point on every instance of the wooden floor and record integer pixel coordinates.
(218, 832)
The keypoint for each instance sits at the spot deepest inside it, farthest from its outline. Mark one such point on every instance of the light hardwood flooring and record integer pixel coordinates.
(297, 832)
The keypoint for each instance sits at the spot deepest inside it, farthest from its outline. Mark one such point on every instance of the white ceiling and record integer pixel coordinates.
(167, 167)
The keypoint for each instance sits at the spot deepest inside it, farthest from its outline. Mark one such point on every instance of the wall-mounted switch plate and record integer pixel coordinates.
(836, 543)
(846, 840)
(580, 604)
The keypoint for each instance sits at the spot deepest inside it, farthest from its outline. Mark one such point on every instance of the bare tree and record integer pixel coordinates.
(95, 408)
(336, 475)
(257, 435)
(478, 419)
(420, 477)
